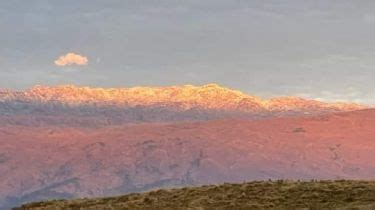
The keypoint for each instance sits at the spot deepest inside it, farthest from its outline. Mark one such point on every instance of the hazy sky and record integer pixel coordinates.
(317, 49)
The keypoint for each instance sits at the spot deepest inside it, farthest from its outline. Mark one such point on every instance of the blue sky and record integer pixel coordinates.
(315, 49)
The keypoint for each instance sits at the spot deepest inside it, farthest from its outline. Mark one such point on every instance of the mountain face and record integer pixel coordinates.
(67, 141)
(65, 162)
(83, 106)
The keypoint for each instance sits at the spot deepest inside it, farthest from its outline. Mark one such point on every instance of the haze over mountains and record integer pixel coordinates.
(67, 141)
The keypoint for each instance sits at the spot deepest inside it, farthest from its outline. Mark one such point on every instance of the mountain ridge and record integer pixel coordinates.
(185, 97)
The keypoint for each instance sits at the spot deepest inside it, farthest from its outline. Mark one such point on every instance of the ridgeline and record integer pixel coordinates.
(253, 195)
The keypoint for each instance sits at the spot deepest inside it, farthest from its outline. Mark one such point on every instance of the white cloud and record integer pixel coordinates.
(71, 59)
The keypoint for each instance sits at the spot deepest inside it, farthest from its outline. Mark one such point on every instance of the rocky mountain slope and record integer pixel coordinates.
(66, 162)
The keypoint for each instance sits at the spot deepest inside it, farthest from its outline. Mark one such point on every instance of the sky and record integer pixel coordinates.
(313, 48)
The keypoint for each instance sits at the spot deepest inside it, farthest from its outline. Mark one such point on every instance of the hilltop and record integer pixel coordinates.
(252, 195)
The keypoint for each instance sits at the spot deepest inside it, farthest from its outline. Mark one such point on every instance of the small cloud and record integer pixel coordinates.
(71, 59)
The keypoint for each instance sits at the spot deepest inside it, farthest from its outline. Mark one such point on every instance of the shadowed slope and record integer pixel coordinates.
(70, 162)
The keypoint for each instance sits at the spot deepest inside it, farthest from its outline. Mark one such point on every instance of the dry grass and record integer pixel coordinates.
(252, 195)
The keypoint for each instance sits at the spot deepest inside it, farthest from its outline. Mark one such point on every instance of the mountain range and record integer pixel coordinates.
(69, 142)
(84, 106)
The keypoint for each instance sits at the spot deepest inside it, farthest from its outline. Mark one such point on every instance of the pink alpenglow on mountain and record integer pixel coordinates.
(81, 141)
(211, 96)
(182, 98)
(67, 162)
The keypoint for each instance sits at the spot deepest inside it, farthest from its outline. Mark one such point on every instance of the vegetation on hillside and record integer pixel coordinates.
(252, 195)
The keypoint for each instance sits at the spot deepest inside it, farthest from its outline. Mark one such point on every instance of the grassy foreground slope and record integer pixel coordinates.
(252, 195)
